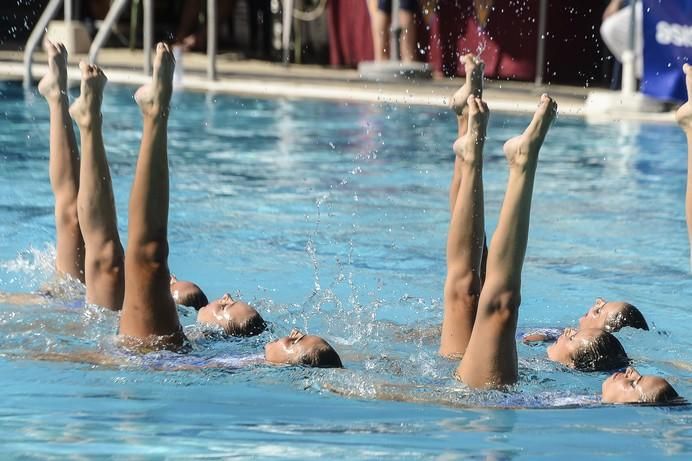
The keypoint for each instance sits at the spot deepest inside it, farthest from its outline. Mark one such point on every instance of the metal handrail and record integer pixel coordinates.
(147, 34)
(540, 47)
(35, 36)
(104, 32)
(211, 39)
(287, 25)
(114, 12)
(289, 13)
(106, 29)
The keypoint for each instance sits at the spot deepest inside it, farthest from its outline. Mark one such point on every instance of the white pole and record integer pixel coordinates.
(68, 13)
(212, 37)
(286, 29)
(540, 51)
(629, 57)
(36, 34)
(394, 33)
(147, 34)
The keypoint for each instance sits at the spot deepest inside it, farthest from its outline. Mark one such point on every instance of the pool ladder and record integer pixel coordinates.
(116, 9)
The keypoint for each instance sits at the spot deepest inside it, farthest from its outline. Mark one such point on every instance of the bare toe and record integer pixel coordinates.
(478, 119)
(53, 85)
(469, 147)
(154, 98)
(522, 151)
(87, 107)
(543, 117)
(472, 86)
(474, 68)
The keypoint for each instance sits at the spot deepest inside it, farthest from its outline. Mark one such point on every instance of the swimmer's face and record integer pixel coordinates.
(292, 349)
(225, 312)
(631, 387)
(569, 342)
(598, 315)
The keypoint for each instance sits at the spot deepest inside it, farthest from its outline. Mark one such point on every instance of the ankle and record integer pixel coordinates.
(155, 124)
(472, 166)
(58, 101)
(524, 169)
(463, 113)
(89, 123)
(155, 114)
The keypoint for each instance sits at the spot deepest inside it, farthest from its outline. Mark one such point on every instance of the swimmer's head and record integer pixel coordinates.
(300, 349)
(612, 316)
(590, 349)
(631, 387)
(237, 318)
(187, 293)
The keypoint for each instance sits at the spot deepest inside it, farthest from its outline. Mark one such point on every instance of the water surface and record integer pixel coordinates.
(332, 217)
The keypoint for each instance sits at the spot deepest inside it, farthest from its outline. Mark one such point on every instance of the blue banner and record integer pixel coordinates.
(667, 46)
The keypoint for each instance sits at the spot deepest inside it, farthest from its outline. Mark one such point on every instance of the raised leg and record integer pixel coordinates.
(466, 235)
(149, 311)
(684, 118)
(63, 164)
(491, 355)
(473, 86)
(105, 282)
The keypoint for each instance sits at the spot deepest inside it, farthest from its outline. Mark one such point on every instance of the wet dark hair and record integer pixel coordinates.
(322, 357)
(603, 353)
(629, 316)
(667, 395)
(251, 326)
(193, 298)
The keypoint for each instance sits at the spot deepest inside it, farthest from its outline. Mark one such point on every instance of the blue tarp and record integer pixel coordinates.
(667, 46)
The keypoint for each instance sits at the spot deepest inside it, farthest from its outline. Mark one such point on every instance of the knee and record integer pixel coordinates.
(111, 258)
(504, 304)
(153, 254)
(463, 289)
(66, 216)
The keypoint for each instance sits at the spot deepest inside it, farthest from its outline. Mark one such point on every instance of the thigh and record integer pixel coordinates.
(148, 309)
(491, 356)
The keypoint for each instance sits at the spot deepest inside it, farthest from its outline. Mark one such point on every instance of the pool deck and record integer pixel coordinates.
(260, 78)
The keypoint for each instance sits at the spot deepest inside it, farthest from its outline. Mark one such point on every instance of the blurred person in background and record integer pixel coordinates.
(192, 34)
(615, 31)
(381, 20)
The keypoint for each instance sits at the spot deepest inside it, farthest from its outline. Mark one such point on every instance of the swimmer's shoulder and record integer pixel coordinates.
(538, 335)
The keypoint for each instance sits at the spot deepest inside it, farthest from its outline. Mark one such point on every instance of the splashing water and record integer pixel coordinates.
(482, 43)
(33, 270)
(33, 262)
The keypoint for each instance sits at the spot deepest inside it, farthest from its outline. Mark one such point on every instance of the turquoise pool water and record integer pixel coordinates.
(333, 217)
